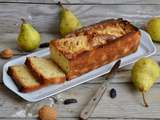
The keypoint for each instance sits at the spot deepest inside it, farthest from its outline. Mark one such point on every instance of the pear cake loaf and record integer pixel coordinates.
(91, 47)
(23, 78)
(45, 70)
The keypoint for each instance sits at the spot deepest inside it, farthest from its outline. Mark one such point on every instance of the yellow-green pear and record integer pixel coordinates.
(68, 21)
(29, 38)
(144, 74)
(153, 28)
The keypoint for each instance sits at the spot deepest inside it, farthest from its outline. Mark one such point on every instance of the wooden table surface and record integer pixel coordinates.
(44, 15)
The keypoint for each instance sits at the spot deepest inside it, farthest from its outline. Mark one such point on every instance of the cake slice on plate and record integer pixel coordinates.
(23, 78)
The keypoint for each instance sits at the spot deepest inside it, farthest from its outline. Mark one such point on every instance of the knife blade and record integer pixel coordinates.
(89, 108)
(113, 70)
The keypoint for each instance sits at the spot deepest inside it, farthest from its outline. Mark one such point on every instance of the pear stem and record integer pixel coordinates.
(60, 4)
(144, 100)
(23, 20)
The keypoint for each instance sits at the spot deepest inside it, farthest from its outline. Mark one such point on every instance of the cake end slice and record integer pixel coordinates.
(23, 78)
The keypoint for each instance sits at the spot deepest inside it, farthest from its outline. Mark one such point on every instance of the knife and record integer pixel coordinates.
(89, 108)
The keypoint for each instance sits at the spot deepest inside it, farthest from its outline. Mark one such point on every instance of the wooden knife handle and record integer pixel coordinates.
(87, 111)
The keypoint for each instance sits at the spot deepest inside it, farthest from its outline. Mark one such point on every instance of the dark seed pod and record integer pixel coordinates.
(44, 45)
(69, 101)
(113, 93)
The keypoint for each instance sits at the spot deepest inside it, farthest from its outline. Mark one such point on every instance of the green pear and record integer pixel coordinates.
(144, 74)
(68, 21)
(29, 38)
(153, 29)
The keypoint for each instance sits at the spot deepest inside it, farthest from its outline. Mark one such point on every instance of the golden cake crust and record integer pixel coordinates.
(101, 28)
(106, 41)
(93, 36)
(104, 54)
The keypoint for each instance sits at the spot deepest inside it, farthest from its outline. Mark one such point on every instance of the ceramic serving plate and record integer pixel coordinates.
(146, 48)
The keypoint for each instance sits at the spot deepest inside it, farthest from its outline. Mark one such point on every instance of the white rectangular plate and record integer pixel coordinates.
(146, 48)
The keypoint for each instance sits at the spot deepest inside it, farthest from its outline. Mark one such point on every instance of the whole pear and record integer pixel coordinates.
(153, 28)
(29, 38)
(68, 21)
(144, 74)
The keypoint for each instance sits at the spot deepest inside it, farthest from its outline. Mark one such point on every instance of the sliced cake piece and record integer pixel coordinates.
(45, 70)
(23, 78)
